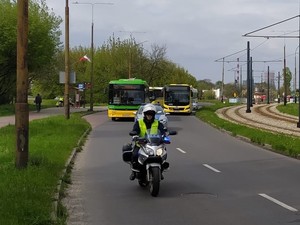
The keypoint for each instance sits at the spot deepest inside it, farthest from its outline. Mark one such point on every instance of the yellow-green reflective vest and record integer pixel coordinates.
(143, 128)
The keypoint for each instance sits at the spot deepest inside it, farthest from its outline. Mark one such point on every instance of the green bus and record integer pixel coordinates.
(178, 98)
(125, 96)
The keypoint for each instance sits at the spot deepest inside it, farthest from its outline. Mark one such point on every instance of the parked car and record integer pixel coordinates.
(160, 115)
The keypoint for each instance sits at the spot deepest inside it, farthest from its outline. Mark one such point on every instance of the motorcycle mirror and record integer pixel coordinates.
(142, 140)
(133, 133)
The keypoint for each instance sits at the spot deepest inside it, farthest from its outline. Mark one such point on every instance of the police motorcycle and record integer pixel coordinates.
(152, 157)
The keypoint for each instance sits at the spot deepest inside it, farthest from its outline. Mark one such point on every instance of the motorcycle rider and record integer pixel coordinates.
(140, 127)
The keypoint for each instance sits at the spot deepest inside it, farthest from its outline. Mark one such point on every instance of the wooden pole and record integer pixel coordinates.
(22, 113)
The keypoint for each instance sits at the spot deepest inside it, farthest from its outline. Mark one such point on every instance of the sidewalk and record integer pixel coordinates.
(33, 115)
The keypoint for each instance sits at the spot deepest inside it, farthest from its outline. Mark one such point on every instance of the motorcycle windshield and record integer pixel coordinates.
(155, 139)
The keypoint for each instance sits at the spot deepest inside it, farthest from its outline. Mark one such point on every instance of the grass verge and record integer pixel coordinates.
(292, 109)
(27, 195)
(284, 144)
(9, 109)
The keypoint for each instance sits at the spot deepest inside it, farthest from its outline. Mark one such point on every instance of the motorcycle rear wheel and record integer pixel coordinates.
(154, 181)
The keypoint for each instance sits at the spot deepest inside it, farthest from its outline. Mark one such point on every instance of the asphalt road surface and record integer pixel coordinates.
(214, 179)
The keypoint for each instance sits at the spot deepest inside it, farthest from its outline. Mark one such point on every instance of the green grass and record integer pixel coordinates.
(27, 194)
(292, 109)
(284, 144)
(9, 109)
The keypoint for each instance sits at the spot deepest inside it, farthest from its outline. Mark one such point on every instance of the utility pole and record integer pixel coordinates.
(92, 50)
(222, 87)
(284, 78)
(22, 113)
(268, 101)
(248, 110)
(92, 63)
(67, 62)
(278, 87)
(295, 77)
(252, 82)
(298, 123)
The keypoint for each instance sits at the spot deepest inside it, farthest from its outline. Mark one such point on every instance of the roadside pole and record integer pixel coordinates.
(22, 113)
(67, 62)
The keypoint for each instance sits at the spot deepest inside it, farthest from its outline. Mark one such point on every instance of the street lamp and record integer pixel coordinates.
(92, 48)
(67, 62)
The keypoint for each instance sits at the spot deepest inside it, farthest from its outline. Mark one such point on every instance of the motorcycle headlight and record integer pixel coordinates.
(149, 151)
(159, 151)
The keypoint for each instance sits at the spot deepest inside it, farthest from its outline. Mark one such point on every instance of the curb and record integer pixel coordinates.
(59, 189)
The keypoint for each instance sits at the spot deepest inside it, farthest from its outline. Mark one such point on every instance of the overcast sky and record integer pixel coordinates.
(196, 33)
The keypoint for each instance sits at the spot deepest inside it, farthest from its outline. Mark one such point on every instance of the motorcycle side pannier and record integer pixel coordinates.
(127, 152)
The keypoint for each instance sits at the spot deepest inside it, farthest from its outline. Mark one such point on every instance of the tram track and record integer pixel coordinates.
(264, 117)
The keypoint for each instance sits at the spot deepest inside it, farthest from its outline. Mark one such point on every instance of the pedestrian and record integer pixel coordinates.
(77, 101)
(38, 102)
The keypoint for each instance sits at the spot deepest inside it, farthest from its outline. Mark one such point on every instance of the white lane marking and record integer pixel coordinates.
(179, 149)
(211, 168)
(278, 202)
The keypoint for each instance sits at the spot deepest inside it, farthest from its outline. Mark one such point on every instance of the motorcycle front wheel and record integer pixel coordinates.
(154, 181)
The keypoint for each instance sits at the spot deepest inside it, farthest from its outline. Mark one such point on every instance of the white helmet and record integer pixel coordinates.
(149, 108)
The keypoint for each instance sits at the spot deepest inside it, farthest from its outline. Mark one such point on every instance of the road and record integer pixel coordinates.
(213, 179)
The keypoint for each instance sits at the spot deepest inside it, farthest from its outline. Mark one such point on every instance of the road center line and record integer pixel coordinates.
(278, 202)
(179, 149)
(211, 168)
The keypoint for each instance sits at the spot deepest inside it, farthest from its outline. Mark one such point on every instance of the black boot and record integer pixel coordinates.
(135, 165)
(132, 176)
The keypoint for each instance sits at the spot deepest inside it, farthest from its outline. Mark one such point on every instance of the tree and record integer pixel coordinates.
(43, 44)
(229, 90)
(205, 84)
(208, 95)
(116, 59)
(218, 84)
(156, 65)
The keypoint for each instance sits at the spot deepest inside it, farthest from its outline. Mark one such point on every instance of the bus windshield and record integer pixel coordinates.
(178, 96)
(128, 94)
